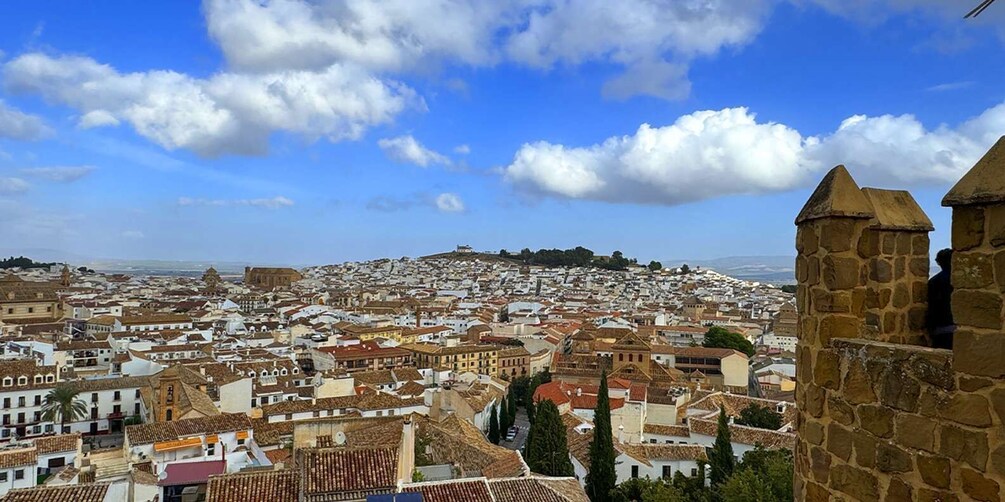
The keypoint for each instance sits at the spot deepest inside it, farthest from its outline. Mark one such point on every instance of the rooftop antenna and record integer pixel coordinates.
(979, 9)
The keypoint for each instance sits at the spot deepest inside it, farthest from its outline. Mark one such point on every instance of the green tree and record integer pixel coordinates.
(790, 288)
(511, 400)
(646, 490)
(764, 475)
(684, 269)
(655, 265)
(494, 426)
(62, 405)
(718, 337)
(503, 419)
(759, 416)
(721, 458)
(602, 477)
(547, 449)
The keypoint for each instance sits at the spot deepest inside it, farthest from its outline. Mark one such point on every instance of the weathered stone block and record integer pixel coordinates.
(900, 391)
(926, 495)
(840, 273)
(998, 401)
(820, 464)
(964, 445)
(840, 411)
(971, 383)
(899, 268)
(806, 240)
(898, 491)
(968, 227)
(979, 353)
(814, 400)
(868, 244)
(968, 409)
(919, 267)
(890, 458)
(920, 244)
(876, 419)
(996, 225)
(978, 486)
(903, 243)
(881, 271)
(888, 244)
(972, 270)
(827, 371)
(999, 265)
(817, 493)
(812, 271)
(812, 432)
(865, 449)
(919, 292)
(857, 483)
(836, 235)
(916, 318)
(978, 309)
(935, 471)
(857, 386)
(901, 296)
(838, 326)
(998, 460)
(831, 301)
(801, 271)
(839, 441)
(916, 432)
(933, 371)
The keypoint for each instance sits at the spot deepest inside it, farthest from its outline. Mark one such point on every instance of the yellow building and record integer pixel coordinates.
(482, 359)
(28, 301)
(365, 333)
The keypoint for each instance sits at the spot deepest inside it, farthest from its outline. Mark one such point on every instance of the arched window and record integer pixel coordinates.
(621, 357)
(168, 415)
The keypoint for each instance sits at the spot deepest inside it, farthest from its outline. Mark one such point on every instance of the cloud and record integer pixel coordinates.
(16, 124)
(276, 202)
(951, 86)
(97, 118)
(709, 154)
(59, 174)
(226, 113)
(462, 149)
(133, 234)
(407, 149)
(449, 203)
(653, 38)
(13, 186)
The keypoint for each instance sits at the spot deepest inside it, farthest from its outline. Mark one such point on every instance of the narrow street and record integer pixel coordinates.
(521, 437)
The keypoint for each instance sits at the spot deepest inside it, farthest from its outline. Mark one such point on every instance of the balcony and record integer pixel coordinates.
(116, 415)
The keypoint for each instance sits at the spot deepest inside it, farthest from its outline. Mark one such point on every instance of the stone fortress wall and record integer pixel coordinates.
(881, 415)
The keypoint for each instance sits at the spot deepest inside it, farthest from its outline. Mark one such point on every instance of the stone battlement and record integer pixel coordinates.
(881, 415)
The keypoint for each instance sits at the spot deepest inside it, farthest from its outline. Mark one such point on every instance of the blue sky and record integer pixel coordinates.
(316, 132)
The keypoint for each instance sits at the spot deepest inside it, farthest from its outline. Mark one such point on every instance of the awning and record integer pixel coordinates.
(242, 434)
(178, 444)
(191, 473)
(212, 438)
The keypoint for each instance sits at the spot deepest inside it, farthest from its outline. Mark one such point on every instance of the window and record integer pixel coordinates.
(621, 357)
(3, 475)
(38, 400)
(136, 409)
(22, 380)
(31, 310)
(694, 471)
(667, 471)
(117, 396)
(137, 393)
(167, 415)
(20, 418)
(20, 402)
(19, 474)
(211, 449)
(94, 397)
(240, 442)
(635, 471)
(6, 402)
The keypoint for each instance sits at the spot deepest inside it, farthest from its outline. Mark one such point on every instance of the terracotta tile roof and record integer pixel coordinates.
(537, 489)
(167, 431)
(745, 435)
(467, 490)
(18, 458)
(67, 493)
(459, 442)
(666, 430)
(99, 384)
(264, 486)
(330, 471)
(55, 444)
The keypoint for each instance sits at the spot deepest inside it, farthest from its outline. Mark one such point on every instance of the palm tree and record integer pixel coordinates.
(62, 405)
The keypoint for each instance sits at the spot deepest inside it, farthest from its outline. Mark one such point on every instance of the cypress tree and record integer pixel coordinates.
(504, 417)
(511, 402)
(494, 426)
(547, 449)
(602, 477)
(721, 458)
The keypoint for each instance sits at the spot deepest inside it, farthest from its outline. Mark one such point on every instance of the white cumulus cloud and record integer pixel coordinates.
(16, 124)
(59, 174)
(449, 203)
(276, 202)
(226, 113)
(407, 149)
(11, 185)
(708, 154)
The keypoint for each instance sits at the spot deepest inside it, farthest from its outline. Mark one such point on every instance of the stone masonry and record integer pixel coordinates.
(881, 415)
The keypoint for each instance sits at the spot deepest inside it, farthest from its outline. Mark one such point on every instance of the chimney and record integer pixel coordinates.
(579, 391)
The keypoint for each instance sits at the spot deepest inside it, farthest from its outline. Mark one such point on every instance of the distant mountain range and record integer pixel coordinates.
(774, 269)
